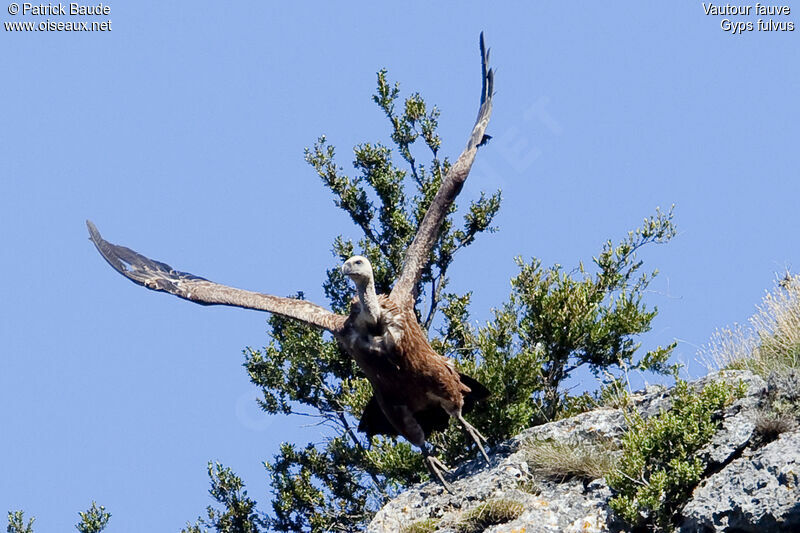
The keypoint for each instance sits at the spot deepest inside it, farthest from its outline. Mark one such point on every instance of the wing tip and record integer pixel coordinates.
(93, 233)
(107, 250)
(486, 71)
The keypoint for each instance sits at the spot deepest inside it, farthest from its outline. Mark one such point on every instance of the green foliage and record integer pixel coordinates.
(659, 469)
(16, 523)
(94, 520)
(553, 323)
(239, 515)
(588, 319)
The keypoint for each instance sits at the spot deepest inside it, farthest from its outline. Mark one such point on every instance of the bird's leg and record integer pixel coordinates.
(435, 467)
(403, 419)
(474, 434)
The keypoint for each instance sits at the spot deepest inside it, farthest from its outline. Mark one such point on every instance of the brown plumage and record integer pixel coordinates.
(405, 370)
(416, 390)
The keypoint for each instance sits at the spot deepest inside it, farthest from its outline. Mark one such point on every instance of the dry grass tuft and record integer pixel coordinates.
(489, 513)
(571, 459)
(769, 343)
(428, 525)
(770, 424)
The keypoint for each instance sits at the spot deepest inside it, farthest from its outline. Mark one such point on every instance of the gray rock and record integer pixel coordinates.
(550, 506)
(651, 401)
(784, 387)
(747, 488)
(554, 507)
(760, 493)
(738, 421)
(590, 427)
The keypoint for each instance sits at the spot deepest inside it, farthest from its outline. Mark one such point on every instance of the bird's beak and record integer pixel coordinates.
(346, 269)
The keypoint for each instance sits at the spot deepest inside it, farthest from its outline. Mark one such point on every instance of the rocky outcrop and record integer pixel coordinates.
(758, 493)
(751, 485)
(758, 487)
(571, 505)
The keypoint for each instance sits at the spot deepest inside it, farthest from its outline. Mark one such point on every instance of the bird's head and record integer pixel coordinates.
(358, 269)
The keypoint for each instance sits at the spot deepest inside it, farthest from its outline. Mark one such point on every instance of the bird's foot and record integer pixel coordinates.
(435, 467)
(474, 433)
(477, 437)
(483, 452)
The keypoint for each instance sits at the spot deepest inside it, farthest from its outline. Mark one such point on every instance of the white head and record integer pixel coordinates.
(358, 269)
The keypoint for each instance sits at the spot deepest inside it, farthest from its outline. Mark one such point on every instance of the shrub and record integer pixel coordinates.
(658, 468)
(17, 524)
(94, 520)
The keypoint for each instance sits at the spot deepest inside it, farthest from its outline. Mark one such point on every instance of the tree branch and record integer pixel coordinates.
(349, 430)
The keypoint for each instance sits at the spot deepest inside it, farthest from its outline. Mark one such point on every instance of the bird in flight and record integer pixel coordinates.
(415, 389)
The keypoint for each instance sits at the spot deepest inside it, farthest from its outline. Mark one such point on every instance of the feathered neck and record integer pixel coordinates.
(370, 308)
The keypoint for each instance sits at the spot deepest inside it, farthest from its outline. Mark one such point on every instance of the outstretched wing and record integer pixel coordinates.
(418, 253)
(162, 277)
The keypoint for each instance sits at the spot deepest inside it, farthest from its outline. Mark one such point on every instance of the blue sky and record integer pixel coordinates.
(181, 131)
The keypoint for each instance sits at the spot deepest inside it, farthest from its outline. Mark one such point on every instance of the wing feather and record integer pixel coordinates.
(160, 276)
(418, 253)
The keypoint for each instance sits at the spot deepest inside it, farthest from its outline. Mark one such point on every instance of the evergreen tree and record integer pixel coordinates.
(554, 323)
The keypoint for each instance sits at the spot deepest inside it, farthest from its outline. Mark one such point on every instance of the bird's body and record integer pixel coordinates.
(416, 389)
(392, 350)
(401, 364)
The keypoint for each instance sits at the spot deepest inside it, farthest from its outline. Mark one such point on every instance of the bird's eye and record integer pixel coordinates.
(358, 262)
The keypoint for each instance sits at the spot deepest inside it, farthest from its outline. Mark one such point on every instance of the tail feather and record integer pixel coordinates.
(477, 393)
(374, 421)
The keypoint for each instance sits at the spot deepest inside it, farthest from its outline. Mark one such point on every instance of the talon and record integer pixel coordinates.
(476, 437)
(483, 452)
(435, 467)
(440, 465)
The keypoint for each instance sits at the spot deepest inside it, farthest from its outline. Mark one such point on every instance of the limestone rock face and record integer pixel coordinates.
(572, 505)
(759, 493)
(750, 486)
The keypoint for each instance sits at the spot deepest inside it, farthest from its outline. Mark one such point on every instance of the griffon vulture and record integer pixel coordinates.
(416, 390)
